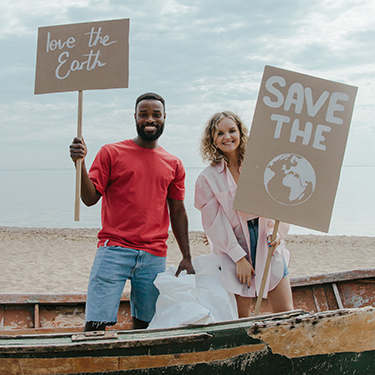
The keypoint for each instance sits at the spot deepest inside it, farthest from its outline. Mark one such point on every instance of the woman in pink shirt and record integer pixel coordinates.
(239, 239)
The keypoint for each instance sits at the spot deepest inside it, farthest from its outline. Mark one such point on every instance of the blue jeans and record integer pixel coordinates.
(254, 233)
(113, 265)
(253, 226)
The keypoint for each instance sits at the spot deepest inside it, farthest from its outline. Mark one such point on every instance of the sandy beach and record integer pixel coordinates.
(40, 260)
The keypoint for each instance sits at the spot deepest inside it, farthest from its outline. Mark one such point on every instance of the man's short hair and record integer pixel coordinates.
(149, 96)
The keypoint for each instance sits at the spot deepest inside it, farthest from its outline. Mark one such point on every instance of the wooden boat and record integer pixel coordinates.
(332, 331)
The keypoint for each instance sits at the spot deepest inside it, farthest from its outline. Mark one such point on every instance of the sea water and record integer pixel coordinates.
(45, 198)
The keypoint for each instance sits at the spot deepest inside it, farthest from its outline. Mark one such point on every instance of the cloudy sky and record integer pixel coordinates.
(201, 55)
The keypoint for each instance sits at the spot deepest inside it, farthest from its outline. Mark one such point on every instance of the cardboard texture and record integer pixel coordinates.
(295, 150)
(84, 56)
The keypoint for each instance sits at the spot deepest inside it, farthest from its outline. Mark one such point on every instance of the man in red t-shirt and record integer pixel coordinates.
(142, 186)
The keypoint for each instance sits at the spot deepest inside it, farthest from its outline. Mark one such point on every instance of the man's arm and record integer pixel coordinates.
(89, 194)
(179, 223)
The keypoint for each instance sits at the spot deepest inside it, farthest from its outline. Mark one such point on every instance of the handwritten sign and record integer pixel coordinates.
(84, 56)
(295, 150)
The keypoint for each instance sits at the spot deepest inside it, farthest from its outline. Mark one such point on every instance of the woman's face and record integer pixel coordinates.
(227, 137)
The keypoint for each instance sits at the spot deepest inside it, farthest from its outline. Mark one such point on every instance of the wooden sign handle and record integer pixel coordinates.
(266, 269)
(79, 161)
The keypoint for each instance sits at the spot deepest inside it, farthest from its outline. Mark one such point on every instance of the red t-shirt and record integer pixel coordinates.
(135, 182)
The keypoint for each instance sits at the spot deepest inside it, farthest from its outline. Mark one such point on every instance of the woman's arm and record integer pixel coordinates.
(215, 222)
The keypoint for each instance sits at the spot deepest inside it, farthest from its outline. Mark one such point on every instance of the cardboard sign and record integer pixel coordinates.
(84, 56)
(295, 150)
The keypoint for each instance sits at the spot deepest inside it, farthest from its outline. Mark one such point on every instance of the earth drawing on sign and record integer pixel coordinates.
(289, 179)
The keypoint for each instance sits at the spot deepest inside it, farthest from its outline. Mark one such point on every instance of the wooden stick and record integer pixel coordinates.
(79, 161)
(266, 270)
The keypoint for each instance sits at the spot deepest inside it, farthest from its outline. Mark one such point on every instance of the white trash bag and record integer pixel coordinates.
(177, 304)
(210, 293)
(193, 299)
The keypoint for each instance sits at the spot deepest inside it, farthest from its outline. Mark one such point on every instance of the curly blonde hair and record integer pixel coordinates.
(208, 150)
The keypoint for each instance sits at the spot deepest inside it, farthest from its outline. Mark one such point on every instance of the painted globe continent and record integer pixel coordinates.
(289, 179)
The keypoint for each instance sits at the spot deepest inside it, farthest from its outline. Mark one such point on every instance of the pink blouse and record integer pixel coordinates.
(228, 234)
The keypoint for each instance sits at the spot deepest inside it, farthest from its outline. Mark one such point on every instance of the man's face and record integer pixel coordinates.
(150, 118)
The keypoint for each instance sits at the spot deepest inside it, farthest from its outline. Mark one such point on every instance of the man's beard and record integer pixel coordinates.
(150, 137)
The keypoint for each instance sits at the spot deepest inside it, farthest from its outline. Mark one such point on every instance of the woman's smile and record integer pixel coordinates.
(227, 136)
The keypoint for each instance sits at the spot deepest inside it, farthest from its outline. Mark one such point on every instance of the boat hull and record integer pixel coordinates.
(336, 342)
(53, 313)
